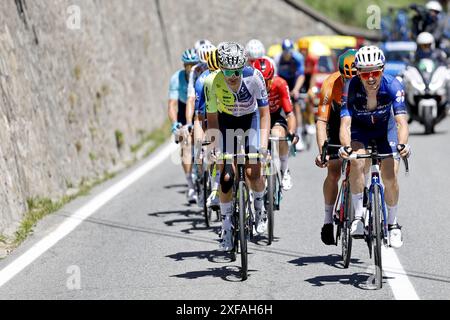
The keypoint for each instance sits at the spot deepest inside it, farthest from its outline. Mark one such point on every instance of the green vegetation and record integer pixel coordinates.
(120, 140)
(158, 137)
(38, 207)
(354, 12)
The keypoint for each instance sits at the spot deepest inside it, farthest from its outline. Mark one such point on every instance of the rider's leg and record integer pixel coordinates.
(357, 181)
(389, 172)
(186, 160)
(330, 189)
(283, 148)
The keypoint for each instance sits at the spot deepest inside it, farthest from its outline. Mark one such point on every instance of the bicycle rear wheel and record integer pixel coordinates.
(346, 224)
(270, 205)
(243, 198)
(377, 230)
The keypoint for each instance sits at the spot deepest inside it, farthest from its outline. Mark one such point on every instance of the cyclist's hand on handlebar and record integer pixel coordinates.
(319, 162)
(176, 126)
(293, 137)
(264, 154)
(404, 149)
(295, 95)
(345, 152)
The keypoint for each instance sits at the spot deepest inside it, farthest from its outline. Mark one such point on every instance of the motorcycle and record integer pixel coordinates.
(426, 86)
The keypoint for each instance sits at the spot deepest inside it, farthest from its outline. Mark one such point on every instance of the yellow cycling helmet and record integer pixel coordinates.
(303, 44)
(212, 61)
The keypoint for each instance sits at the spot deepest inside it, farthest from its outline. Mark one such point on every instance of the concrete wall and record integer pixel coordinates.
(65, 93)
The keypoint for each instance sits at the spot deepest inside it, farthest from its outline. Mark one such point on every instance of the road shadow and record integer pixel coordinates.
(333, 260)
(173, 186)
(363, 281)
(226, 273)
(186, 213)
(263, 241)
(211, 256)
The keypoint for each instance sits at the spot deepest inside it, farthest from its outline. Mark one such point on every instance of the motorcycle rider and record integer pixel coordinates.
(426, 49)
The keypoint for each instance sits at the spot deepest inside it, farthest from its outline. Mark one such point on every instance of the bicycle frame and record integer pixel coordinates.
(376, 181)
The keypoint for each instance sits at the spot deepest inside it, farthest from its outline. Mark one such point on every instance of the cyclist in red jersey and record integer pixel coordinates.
(282, 116)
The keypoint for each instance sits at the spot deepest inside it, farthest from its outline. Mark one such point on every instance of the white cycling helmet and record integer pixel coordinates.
(425, 38)
(433, 5)
(369, 57)
(255, 49)
(231, 55)
(204, 51)
(201, 42)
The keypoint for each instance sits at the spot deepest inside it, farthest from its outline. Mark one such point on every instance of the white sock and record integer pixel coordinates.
(189, 181)
(368, 180)
(259, 198)
(215, 185)
(328, 214)
(392, 214)
(357, 200)
(284, 163)
(299, 131)
(227, 211)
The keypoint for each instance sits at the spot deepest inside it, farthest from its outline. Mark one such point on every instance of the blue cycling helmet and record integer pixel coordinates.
(287, 45)
(190, 56)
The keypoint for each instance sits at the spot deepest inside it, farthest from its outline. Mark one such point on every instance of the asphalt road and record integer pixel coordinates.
(147, 243)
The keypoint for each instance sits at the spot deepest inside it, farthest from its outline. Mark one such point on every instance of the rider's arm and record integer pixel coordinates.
(173, 110)
(300, 72)
(173, 98)
(262, 100)
(212, 134)
(190, 104)
(346, 118)
(402, 128)
(344, 132)
(324, 112)
(286, 104)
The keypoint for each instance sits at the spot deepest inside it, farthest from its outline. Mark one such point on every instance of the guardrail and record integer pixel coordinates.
(339, 28)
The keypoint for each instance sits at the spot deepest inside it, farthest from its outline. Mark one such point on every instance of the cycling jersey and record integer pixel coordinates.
(251, 95)
(290, 69)
(378, 124)
(196, 71)
(178, 86)
(200, 93)
(279, 96)
(330, 105)
(178, 91)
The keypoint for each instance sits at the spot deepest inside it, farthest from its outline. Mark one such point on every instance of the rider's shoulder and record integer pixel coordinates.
(249, 71)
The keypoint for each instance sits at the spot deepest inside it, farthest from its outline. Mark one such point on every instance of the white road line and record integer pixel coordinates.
(397, 278)
(80, 215)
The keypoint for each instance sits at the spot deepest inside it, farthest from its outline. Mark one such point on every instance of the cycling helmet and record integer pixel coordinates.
(369, 57)
(200, 43)
(231, 55)
(287, 45)
(303, 44)
(255, 49)
(425, 38)
(189, 56)
(266, 67)
(213, 63)
(434, 5)
(346, 64)
(204, 51)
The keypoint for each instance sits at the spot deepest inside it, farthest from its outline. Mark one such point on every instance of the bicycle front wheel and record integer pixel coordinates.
(377, 234)
(243, 200)
(346, 224)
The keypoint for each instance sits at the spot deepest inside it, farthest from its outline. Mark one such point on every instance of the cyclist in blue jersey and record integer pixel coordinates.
(373, 108)
(203, 52)
(200, 123)
(290, 66)
(177, 115)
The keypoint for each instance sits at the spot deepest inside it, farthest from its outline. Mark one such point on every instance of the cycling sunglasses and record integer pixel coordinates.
(370, 74)
(235, 72)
